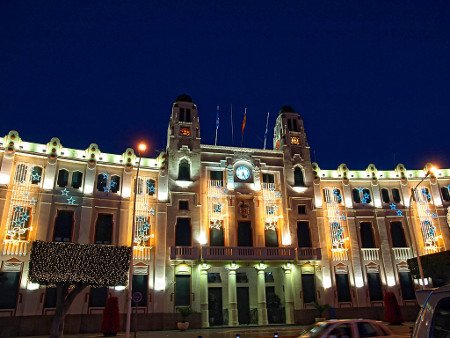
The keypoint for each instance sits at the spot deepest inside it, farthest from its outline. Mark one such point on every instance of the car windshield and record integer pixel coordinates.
(316, 330)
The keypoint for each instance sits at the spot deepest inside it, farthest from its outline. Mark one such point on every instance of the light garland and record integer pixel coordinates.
(92, 264)
(336, 217)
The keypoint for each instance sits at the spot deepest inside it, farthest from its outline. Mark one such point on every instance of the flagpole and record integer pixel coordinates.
(265, 133)
(232, 132)
(244, 121)
(217, 124)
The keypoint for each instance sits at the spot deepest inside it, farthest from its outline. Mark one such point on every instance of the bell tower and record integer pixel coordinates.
(289, 134)
(184, 125)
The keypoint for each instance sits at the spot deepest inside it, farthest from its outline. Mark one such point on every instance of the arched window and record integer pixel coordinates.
(150, 187)
(356, 198)
(385, 195)
(102, 182)
(445, 194)
(63, 178)
(398, 235)
(396, 195)
(367, 237)
(184, 170)
(115, 183)
(36, 175)
(299, 179)
(77, 179)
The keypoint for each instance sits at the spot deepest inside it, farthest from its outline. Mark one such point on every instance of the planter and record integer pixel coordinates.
(320, 319)
(183, 326)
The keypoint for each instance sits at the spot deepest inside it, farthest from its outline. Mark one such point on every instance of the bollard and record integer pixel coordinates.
(275, 335)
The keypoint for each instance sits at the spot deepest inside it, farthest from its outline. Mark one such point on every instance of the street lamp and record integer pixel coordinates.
(430, 170)
(142, 147)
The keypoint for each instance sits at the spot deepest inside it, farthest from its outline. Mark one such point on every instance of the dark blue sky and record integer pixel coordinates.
(370, 78)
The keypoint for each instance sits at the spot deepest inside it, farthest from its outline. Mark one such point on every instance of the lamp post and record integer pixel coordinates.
(430, 171)
(142, 147)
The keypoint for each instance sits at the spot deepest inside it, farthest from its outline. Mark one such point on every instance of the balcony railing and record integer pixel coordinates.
(309, 254)
(339, 255)
(402, 253)
(142, 253)
(184, 252)
(370, 254)
(15, 247)
(247, 253)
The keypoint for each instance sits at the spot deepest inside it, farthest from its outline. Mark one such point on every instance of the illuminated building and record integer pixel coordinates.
(227, 230)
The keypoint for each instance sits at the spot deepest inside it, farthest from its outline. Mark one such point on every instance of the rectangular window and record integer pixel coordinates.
(216, 175)
(63, 226)
(214, 277)
(97, 297)
(406, 285)
(308, 288)
(9, 289)
(268, 178)
(367, 237)
(63, 178)
(375, 289)
(182, 290)
(104, 229)
(183, 205)
(183, 232)
(398, 235)
(343, 288)
(241, 277)
(303, 235)
(140, 284)
(301, 209)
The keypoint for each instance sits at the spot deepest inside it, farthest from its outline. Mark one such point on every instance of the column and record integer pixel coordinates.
(288, 295)
(204, 294)
(232, 295)
(261, 292)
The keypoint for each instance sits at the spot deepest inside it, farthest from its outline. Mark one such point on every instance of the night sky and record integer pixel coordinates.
(370, 78)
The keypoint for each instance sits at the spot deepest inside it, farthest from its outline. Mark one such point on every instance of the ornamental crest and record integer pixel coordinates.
(244, 209)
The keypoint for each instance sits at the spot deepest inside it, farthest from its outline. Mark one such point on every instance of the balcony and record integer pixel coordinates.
(309, 254)
(184, 252)
(402, 254)
(247, 253)
(370, 254)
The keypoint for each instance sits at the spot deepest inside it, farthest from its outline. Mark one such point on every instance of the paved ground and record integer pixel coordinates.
(244, 332)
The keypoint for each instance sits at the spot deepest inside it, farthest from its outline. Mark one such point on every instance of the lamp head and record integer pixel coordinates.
(142, 147)
(431, 169)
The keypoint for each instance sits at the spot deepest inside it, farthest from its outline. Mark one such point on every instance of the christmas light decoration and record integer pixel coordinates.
(336, 219)
(426, 218)
(272, 203)
(217, 204)
(145, 212)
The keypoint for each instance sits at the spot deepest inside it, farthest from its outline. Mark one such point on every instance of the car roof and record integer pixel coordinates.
(330, 321)
(423, 295)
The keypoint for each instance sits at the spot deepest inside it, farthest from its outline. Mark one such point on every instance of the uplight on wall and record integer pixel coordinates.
(202, 240)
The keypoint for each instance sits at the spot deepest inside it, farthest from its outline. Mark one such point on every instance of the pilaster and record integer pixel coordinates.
(232, 295)
(261, 294)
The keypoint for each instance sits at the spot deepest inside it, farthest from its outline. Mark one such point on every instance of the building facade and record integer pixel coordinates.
(244, 236)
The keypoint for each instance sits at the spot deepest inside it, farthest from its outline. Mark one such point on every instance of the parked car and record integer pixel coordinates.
(347, 328)
(433, 319)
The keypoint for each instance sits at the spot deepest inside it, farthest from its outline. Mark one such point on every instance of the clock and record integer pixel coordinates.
(295, 140)
(243, 173)
(184, 131)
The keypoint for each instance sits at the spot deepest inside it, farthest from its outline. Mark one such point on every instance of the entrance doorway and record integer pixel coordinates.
(215, 306)
(243, 305)
(245, 234)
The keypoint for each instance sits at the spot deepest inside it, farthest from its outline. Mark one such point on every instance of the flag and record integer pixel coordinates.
(244, 121)
(217, 118)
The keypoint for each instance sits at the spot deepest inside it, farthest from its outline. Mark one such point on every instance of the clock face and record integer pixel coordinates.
(295, 140)
(185, 131)
(243, 173)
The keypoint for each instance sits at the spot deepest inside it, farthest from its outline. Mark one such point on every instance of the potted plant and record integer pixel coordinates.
(111, 320)
(320, 308)
(185, 312)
